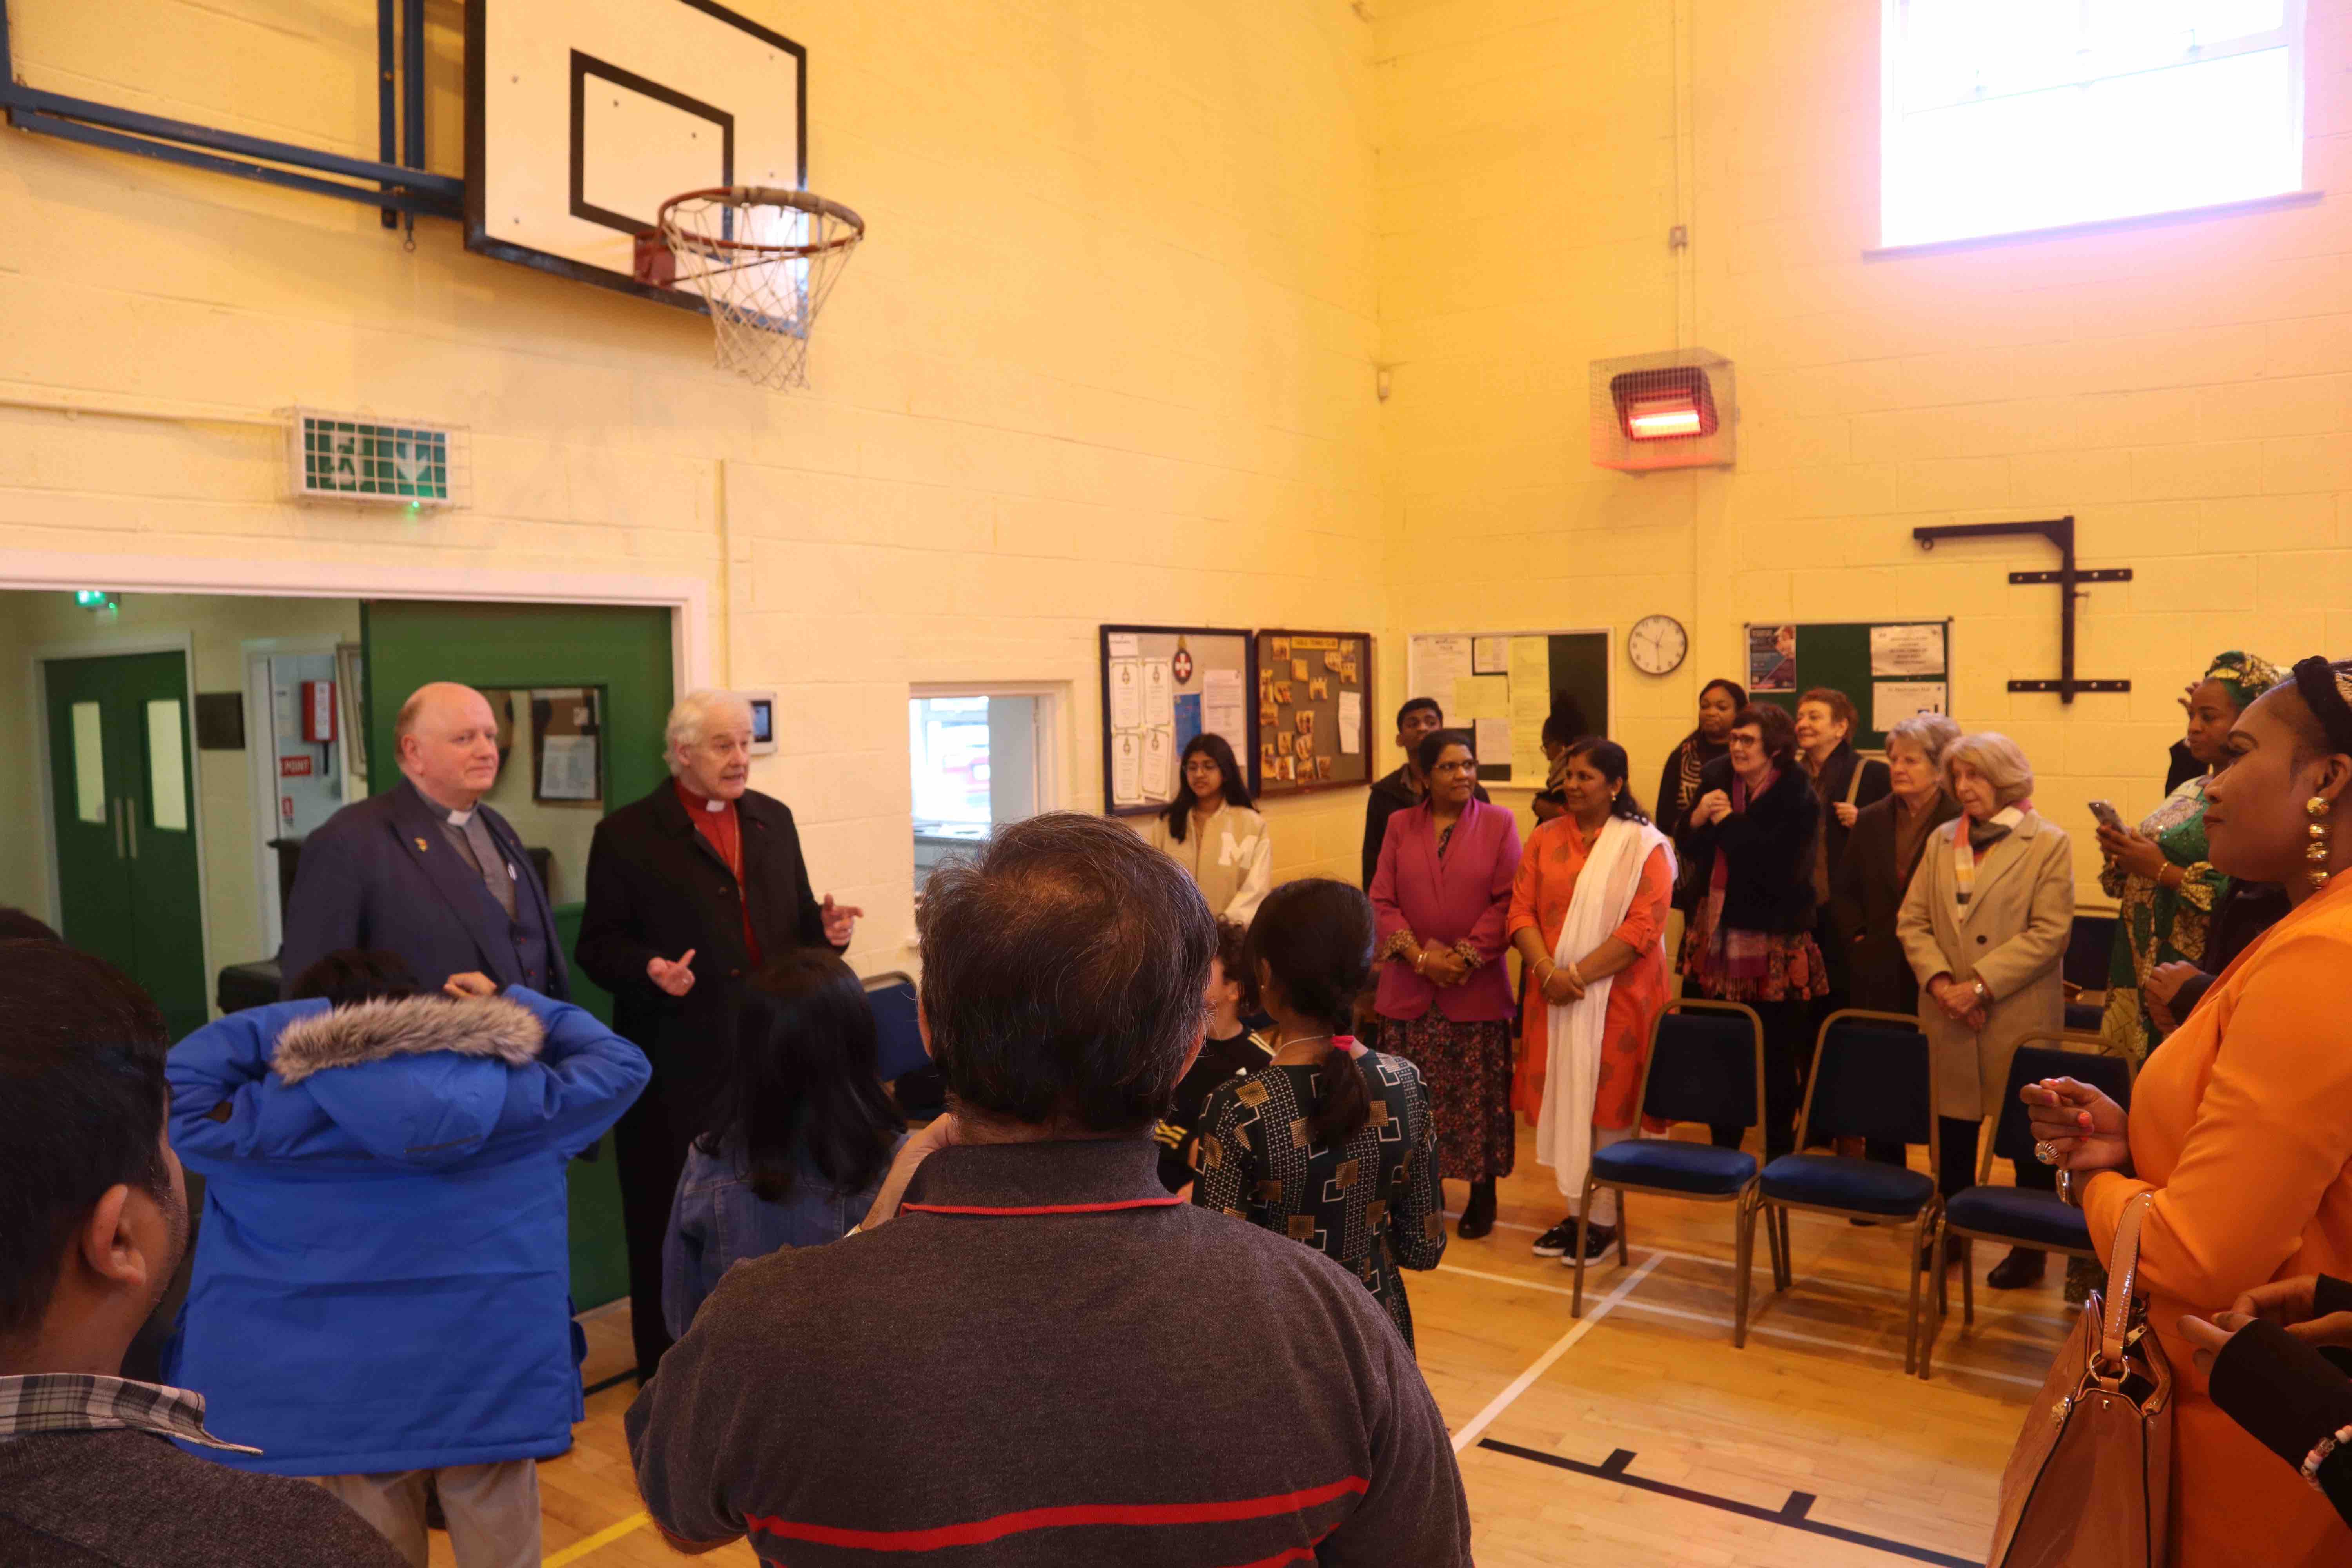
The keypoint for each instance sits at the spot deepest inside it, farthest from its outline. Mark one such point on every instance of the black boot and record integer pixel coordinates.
(1478, 1213)
(2021, 1267)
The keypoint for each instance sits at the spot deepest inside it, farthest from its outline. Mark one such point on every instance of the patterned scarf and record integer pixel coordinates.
(2244, 676)
(1976, 838)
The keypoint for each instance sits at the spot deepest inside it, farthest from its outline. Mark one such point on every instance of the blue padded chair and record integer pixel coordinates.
(2089, 943)
(2021, 1216)
(898, 1036)
(1706, 1064)
(1873, 1077)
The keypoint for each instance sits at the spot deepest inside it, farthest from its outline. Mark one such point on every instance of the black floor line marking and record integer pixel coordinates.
(1791, 1513)
(613, 1382)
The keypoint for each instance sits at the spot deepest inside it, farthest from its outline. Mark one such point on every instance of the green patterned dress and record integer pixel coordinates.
(2156, 925)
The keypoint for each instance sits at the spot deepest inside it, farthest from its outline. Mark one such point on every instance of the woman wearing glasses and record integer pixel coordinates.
(1751, 839)
(1440, 895)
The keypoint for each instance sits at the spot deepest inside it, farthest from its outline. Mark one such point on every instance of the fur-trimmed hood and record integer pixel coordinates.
(422, 1080)
(372, 1031)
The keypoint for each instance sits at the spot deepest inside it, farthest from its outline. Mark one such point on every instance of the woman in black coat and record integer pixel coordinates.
(1681, 783)
(1753, 836)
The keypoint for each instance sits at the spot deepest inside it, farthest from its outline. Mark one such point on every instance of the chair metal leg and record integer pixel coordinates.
(1780, 1220)
(1623, 1255)
(1920, 1236)
(1934, 1319)
(1583, 1210)
(1969, 1295)
(1743, 1251)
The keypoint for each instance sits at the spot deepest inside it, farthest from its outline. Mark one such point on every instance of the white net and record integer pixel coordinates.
(764, 261)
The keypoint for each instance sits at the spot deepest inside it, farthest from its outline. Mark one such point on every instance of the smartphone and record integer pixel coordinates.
(2107, 815)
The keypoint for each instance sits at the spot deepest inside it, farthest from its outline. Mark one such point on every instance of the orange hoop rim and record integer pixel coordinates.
(759, 195)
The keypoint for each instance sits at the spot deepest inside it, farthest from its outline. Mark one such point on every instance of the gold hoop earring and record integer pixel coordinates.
(2322, 847)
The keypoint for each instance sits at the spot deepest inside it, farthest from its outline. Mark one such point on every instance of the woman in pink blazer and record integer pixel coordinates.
(1441, 896)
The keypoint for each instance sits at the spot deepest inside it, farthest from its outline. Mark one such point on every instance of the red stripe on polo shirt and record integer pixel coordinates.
(1171, 1201)
(980, 1531)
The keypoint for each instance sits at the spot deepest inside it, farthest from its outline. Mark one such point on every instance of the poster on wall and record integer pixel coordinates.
(1772, 658)
(1892, 702)
(1906, 652)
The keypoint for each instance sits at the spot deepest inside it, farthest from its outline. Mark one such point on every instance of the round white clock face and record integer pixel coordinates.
(1657, 644)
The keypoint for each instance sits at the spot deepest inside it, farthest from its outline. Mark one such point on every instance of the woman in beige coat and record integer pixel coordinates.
(1985, 926)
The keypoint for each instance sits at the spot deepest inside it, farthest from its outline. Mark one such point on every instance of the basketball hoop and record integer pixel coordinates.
(764, 261)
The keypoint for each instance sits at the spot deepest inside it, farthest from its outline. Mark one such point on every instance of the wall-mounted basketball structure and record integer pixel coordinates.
(1670, 410)
(2060, 531)
(590, 126)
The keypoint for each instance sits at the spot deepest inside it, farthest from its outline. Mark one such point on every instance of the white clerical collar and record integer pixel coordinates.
(460, 818)
(714, 804)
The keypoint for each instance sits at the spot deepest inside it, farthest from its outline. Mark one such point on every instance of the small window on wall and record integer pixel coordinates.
(975, 769)
(2007, 116)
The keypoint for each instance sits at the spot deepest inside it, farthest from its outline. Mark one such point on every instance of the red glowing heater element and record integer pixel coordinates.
(1669, 405)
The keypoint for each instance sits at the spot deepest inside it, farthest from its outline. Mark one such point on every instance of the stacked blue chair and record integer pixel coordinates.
(897, 1031)
(1873, 1077)
(1707, 1065)
(2021, 1216)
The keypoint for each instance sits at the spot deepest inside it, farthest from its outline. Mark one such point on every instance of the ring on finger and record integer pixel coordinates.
(2046, 1151)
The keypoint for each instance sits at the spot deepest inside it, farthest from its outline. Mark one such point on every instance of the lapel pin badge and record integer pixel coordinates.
(420, 846)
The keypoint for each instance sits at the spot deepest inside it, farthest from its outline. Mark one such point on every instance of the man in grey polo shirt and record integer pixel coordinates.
(1033, 1353)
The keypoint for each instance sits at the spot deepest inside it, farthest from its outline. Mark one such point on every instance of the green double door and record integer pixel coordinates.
(123, 807)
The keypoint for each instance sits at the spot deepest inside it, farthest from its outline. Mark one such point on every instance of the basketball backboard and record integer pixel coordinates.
(583, 116)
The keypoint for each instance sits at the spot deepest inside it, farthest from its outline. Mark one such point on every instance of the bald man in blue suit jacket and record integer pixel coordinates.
(424, 869)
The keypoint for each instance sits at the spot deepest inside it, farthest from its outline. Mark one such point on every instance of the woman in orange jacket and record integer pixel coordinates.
(2242, 1124)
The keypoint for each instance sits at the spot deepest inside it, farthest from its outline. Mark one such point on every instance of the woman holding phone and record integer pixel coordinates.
(2165, 890)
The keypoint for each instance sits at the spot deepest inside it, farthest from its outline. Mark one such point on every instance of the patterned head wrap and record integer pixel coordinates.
(2244, 676)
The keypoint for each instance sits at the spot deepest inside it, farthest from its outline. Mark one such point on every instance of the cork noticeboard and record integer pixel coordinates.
(1314, 710)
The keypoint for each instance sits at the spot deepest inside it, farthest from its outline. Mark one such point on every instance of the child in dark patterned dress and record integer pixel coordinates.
(1329, 1144)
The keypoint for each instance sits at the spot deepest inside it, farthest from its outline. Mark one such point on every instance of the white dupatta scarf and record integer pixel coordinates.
(1604, 893)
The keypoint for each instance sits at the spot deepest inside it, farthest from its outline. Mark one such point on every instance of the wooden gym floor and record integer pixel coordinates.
(1634, 1434)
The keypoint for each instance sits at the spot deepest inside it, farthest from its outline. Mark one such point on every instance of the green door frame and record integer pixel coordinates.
(184, 645)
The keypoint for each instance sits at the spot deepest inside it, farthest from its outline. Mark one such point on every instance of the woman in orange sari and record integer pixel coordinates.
(1589, 918)
(2241, 1123)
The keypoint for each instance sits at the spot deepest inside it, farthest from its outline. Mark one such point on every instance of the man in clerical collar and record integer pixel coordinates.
(689, 890)
(426, 870)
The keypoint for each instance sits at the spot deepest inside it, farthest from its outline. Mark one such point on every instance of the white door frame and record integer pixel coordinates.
(184, 644)
(260, 719)
(689, 600)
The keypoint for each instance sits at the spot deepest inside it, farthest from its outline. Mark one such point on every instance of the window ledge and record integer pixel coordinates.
(2096, 225)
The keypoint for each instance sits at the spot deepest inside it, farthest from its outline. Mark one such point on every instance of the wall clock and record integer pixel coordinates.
(1657, 644)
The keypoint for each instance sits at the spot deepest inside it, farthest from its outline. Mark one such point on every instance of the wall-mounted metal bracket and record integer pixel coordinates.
(394, 187)
(2059, 532)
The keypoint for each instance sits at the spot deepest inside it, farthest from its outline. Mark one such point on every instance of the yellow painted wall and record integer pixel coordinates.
(2184, 389)
(1108, 356)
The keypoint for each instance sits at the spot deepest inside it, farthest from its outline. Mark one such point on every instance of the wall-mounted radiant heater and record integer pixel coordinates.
(1671, 410)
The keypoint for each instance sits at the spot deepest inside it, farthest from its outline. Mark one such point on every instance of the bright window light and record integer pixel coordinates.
(2005, 116)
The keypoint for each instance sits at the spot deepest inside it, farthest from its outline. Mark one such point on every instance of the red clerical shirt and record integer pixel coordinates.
(722, 829)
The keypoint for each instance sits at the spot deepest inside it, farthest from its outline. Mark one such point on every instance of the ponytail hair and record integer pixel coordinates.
(1315, 938)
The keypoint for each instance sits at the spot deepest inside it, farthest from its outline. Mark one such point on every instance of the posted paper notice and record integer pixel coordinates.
(1907, 651)
(1159, 694)
(1892, 702)
(1480, 697)
(1125, 694)
(1159, 762)
(1437, 663)
(1490, 656)
(1493, 737)
(1222, 712)
(1530, 706)
(1127, 769)
(1351, 722)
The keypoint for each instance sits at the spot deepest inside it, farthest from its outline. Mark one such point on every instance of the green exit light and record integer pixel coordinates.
(364, 461)
(96, 599)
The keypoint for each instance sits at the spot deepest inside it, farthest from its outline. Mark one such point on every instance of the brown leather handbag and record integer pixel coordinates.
(2089, 1484)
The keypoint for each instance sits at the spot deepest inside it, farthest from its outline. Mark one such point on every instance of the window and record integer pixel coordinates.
(2003, 116)
(976, 767)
